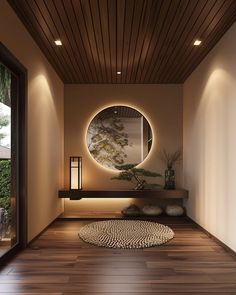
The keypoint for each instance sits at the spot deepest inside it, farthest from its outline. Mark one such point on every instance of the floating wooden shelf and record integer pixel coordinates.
(160, 194)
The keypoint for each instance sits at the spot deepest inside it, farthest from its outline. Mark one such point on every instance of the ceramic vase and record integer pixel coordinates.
(169, 178)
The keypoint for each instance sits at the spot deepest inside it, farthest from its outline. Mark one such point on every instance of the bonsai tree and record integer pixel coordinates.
(136, 175)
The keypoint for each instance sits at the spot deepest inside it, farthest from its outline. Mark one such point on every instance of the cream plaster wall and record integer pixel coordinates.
(45, 123)
(210, 140)
(161, 105)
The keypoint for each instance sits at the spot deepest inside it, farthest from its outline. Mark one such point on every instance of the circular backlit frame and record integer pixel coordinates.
(111, 169)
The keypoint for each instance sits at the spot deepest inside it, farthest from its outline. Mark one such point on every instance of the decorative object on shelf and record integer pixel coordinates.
(131, 210)
(75, 173)
(169, 178)
(118, 135)
(170, 159)
(126, 234)
(174, 210)
(151, 210)
(132, 174)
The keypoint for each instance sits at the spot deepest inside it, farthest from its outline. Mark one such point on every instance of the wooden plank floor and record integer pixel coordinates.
(59, 263)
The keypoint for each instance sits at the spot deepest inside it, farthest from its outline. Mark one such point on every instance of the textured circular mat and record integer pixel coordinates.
(126, 234)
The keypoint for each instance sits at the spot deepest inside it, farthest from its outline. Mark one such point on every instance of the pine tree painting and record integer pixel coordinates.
(107, 139)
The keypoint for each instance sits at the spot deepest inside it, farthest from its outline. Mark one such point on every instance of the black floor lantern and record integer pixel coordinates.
(75, 173)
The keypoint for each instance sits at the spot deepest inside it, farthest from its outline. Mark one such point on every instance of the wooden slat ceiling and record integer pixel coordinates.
(120, 111)
(149, 41)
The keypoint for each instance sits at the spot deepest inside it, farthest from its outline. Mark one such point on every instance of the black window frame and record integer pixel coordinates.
(20, 133)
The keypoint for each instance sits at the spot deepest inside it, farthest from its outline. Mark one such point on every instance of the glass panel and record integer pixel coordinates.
(8, 212)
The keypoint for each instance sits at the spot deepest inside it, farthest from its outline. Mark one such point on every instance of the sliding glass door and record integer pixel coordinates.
(12, 156)
(8, 199)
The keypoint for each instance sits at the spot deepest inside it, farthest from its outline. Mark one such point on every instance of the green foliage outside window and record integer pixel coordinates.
(4, 121)
(5, 85)
(5, 89)
(5, 165)
(5, 184)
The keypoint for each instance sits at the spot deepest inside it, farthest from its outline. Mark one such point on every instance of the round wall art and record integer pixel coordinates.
(119, 135)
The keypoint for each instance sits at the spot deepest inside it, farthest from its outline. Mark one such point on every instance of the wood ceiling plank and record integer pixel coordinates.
(128, 21)
(177, 28)
(204, 17)
(149, 41)
(214, 40)
(156, 37)
(120, 16)
(96, 22)
(112, 21)
(103, 14)
(214, 16)
(83, 36)
(47, 24)
(163, 39)
(171, 39)
(65, 49)
(86, 10)
(29, 19)
(212, 36)
(143, 26)
(64, 28)
(77, 42)
(150, 31)
(178, 33)
(137, 18)
(193, 19)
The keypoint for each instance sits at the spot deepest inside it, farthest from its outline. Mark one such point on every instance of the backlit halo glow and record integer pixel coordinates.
(117, 135)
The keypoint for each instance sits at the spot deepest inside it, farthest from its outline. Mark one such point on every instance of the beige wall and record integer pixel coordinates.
(45, 123)
(210, 140)
(162, 106)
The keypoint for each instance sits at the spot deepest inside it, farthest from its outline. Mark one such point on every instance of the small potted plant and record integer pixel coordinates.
(170, 159)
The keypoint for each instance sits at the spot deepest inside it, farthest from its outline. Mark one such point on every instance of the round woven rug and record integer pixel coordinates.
(126, 234)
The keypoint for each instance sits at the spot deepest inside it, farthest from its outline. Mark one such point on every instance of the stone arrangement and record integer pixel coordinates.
(174, 210)
(151, 210)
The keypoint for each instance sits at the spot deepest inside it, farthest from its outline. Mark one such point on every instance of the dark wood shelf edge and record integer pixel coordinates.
(160, 194)
(118, 216)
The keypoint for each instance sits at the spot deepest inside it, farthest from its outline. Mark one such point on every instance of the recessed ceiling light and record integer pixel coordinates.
(118, 73)
(197, 42)
(58, 42)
